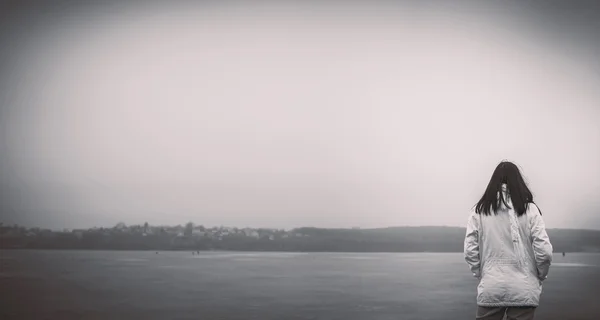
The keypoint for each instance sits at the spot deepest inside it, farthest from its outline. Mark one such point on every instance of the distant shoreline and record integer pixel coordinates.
(198, 238)
(254, 251)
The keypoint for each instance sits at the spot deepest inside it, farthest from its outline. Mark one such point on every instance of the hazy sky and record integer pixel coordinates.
(295, 114)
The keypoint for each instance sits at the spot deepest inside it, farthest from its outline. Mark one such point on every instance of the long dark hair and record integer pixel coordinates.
(506, 173)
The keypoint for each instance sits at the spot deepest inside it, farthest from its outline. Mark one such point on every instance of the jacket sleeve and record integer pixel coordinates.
(542, 248)
(471, 245)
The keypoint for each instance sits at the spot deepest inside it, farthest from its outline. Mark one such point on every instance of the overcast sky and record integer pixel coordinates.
(292, 115)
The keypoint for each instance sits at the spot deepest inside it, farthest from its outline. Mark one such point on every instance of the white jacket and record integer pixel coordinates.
(510, 255)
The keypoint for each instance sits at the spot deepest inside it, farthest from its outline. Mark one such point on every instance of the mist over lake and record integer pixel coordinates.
(290, 160)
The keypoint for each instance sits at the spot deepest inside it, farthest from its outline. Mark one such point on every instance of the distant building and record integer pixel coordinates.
(251, 233)
(198, 233)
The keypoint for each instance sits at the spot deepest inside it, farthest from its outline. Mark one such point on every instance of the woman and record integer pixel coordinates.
(507, 247)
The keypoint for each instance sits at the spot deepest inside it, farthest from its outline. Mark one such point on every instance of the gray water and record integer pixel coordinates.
(232, 285)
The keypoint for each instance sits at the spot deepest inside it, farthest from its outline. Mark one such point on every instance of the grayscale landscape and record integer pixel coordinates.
(287, 160)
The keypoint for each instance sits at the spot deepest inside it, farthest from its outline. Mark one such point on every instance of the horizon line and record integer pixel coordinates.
(285, 229)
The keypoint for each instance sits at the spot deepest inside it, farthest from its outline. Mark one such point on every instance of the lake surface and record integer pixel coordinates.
(231, 285)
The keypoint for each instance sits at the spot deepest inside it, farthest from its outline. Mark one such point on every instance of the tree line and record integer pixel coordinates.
(396, 239)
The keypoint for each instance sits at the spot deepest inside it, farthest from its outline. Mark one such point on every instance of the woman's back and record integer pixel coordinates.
(506, 245)
(509, 271)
